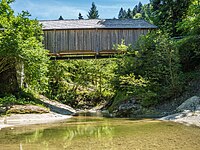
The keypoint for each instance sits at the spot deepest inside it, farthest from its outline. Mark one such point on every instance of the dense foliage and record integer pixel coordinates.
(138, 12)
(22, 56)
(167, 13)
(151, 72)
(81, 82)
(189, 45)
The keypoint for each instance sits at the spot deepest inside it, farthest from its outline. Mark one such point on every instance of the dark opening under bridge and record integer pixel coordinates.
(91, 38)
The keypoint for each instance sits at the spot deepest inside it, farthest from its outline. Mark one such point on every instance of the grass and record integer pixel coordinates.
(20, 98)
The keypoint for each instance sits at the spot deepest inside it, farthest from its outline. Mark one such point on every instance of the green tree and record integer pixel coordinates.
(21, 51)
(81, 81)
(129, 14)
(60, 18)
(150, 71)
(190, 25)
(93, 12)
(139, 7)
(146, 12)
(167, 13)
(80, 16)
(121, 14)
(134, 12)
(189, 45)
(138, 16)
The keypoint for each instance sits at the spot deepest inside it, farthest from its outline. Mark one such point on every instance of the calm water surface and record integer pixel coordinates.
(89, 133)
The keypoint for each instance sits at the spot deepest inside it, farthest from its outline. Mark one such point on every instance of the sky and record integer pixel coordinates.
(69, 9)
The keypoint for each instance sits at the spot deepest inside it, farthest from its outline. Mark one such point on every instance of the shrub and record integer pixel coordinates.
(150, 71)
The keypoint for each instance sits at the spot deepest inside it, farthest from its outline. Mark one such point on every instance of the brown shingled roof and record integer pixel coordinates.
(96, 24)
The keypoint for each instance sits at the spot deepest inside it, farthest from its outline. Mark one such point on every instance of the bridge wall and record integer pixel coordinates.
(89, 40)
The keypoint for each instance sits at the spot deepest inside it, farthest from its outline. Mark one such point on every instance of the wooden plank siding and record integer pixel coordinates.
(89, 40)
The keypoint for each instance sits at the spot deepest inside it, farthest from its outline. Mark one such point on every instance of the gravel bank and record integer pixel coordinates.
(28, 119)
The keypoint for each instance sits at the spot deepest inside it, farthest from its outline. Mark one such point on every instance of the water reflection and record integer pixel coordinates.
(64, 136)
(98, 133)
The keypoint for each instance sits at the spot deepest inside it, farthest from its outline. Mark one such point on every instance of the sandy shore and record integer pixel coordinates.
(28, 119)
(185, 117)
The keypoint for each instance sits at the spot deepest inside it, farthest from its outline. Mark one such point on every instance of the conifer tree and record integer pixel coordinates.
(80, 16)
(60, 18)
(93, 12)
(139, 7)
(121, 14)
(124, 14)
(134, 12)
(129, 14)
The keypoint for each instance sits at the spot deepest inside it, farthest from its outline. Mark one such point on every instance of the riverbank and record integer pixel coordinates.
(60, 112)
(22, 115)
(29, 119)
(185, 117)
(187, 113)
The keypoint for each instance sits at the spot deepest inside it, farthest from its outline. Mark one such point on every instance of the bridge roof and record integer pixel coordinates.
(97, 24)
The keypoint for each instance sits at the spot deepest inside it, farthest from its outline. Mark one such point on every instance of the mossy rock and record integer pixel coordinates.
(27, 109)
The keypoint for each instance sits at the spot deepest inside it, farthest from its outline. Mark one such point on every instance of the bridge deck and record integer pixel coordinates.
(84, 54)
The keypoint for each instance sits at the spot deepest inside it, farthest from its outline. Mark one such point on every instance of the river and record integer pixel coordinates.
(97, 133)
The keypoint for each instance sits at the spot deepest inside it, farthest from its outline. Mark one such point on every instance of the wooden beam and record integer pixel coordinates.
(85, 52)
(81, 57)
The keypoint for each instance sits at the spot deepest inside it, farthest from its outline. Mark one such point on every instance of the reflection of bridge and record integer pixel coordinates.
(94, 38)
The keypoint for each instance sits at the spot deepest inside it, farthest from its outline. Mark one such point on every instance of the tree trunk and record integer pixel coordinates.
(8, 80)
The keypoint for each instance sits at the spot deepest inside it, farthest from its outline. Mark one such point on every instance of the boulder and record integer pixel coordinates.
(128, 108)
(191, 104)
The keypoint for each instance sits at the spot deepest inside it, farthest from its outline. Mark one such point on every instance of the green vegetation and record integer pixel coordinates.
(139, 12)
(21, 50)
(167, 13)
(93, 12)
(80, 16)
(81, 81)
(20, 98)
(23, 60)
(155, 70)
(159, 67)
(150, 72)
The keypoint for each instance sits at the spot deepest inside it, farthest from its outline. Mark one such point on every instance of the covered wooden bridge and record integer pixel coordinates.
(91, 37)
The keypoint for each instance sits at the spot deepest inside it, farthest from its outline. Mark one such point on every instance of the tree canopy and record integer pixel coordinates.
(93, 12)
(167, 13)
(137, 12)
(21, 48)
(60, 18)
(80, 16)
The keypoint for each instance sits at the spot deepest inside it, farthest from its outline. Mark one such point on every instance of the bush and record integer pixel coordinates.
(81, 81)
(150, 71)
(8, 100)
(189, 48)
(20, 98)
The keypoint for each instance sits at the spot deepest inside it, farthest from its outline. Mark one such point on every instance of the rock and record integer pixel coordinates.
(57, 107)
(192, 104)
(23, 109)
(128, 105)
(2, 110)
(128, 108)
